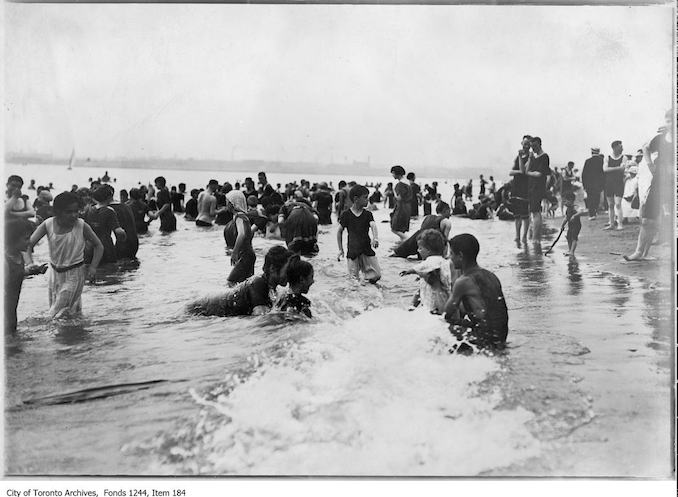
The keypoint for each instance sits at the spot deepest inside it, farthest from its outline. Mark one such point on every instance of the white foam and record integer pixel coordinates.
(378, 395)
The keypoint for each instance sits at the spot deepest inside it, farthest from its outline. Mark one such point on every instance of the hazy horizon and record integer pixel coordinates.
(423, 86)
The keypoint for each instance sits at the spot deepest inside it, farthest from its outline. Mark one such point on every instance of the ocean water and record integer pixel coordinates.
(138, 387)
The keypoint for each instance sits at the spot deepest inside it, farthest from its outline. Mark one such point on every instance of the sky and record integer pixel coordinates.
(452, 86)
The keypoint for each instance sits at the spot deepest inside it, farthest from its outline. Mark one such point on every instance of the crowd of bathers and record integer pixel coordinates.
(86, 227)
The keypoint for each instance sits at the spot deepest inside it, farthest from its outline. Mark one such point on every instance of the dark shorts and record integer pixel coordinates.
(614, 187)
(243, 269)
(652, 206)
(535, 203)
(573, 232)
(520, 207)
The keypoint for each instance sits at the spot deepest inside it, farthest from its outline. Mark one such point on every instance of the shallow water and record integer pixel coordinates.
(364, 388)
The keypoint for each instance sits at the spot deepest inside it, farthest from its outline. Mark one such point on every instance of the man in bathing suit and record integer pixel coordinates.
(477, 302)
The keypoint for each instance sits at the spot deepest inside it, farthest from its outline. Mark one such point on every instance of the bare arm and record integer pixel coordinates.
(35, 238)
(340, 241)
(647, 155)
(120, 234)
(606, 167)
(239, 240)
(375, 234)
(98, 248)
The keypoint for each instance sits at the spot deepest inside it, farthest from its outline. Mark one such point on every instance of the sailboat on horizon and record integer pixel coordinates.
(71, 161)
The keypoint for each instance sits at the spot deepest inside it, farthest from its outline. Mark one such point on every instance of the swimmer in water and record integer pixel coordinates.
(252, 297)
(477, 301)
(300, 278)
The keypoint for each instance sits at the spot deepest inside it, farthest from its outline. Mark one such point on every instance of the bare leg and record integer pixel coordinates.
(645, 236)
(573, 247)
(618, 212)
(518, 223)
(526, 228)
(610, 213)
(536, 227)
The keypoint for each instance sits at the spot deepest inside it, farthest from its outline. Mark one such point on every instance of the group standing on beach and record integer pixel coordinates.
(80, 226)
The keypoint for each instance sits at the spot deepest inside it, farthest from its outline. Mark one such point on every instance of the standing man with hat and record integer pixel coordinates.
(593, 178)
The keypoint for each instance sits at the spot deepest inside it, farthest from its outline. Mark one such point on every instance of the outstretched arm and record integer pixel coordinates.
(340, 241)
(375, 234)
(35, 238)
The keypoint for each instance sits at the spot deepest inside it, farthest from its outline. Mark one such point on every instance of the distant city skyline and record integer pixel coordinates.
(422, 86)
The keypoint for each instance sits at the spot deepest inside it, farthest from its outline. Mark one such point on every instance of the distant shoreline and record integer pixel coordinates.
(357, 168)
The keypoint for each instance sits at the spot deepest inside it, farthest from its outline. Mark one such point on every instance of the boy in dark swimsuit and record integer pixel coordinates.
(476, 309)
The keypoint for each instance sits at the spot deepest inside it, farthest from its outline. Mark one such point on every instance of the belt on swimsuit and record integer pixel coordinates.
(67, 268)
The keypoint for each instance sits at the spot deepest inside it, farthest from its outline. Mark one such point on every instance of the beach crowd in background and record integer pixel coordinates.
(97, 224)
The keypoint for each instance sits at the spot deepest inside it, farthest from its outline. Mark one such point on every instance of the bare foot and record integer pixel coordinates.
(633, 257)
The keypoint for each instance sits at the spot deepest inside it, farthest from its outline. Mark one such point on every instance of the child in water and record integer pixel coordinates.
(359, 221)
(17, 235)
(435, 272)
(573, 223)
(66, 235)
(300, 278)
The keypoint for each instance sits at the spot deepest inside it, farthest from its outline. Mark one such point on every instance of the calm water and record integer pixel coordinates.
(366, 387)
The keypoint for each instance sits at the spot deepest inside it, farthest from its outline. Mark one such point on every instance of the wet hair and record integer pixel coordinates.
(17, 228)
(441, 207)
(103, 193)
(272, 210)
(535, 139)
(160, 180)
(182, 187)
(466, 243)
(15, 179)
(570, 163)
(398, 170)
(357, 191)
(297, 269)
(616, 143)
(195, 192)
(411, 176)
(135, 194)
(63, 200)
(342, 184)
(433, 240)
(252, 201)
(569, 196)
(226, 188)
(275, 258)
(212, 182)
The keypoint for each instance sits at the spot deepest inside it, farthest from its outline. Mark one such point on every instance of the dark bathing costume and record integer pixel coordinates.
(237, 301)
(244, 268)
(573, 225)
(103, 221)
(409, 246)
(400, 220)
(614, 180)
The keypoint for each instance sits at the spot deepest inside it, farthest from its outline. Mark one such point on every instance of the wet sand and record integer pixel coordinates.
(627, 377)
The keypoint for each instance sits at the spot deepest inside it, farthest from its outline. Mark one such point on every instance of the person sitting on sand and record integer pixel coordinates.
(476, 310)
(254, 296)
(435, 273)
(300, 278)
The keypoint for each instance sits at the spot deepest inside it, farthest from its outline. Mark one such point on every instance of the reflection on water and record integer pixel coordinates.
(365, 387)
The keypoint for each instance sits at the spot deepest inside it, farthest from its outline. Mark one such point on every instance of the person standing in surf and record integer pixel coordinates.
(519, 192)
(400, 218)
(238, 236)
(168, 222)
(66, 234)
(538, 170)
(359, 221)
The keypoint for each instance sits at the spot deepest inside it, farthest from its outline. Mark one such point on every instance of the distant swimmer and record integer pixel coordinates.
(253, 296)
(476, 310)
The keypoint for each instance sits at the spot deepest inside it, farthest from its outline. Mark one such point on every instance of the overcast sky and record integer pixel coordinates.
(416, 85)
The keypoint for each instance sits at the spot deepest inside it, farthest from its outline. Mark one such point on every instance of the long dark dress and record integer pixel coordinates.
(400, 220)
(244, 268)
